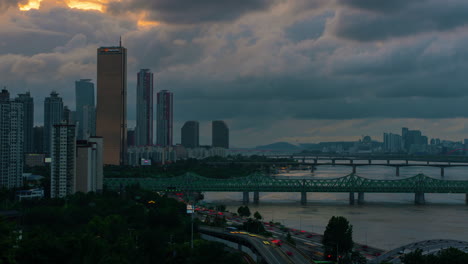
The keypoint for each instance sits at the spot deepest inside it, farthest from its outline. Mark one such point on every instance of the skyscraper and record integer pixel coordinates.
(190, 134)
(164, 119)
(63, 166)
(220, 134)
(28, 120)
(38, 132)
(111, 119)
(11, 141)
(144, 104)
(84, 98)
(53, 115)
(89, 165)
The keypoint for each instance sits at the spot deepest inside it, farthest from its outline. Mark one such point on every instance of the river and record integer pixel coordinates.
(385, 220)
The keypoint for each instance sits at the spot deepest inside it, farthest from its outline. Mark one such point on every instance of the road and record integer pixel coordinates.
(269, 252)
(311, 243)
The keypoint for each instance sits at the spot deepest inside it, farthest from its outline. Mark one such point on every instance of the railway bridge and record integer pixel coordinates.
(256, 183)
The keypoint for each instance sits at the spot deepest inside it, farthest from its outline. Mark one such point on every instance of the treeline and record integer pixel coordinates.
(199, 167)
(135, 227)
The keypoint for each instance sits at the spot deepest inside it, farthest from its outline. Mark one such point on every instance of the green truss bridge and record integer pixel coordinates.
(256, 183)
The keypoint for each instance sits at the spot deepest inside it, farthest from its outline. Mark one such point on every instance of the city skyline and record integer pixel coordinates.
(326, 77)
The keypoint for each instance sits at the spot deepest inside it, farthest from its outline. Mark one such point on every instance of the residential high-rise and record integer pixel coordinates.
(144, 105)
(63, 166)
(220, 134)
(38, 134)
(11, 142)
(190, 134)
(28, 120)
(111, 111)
(84, 98)
(164, 118)
(53, 115)
(89, 165)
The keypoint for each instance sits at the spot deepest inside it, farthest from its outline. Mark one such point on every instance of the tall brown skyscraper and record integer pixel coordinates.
(111, 112)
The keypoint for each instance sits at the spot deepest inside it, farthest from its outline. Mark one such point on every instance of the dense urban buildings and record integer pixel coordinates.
(220, 134)
(413, 140)
(28, 120)
(164, 118)
(11, 141)
(190, 134)
(144, 108)
(85, 108)
(63, 166)
(53, 115)
(111, 112)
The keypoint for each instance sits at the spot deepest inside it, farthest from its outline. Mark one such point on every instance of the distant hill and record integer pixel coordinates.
(283, 146)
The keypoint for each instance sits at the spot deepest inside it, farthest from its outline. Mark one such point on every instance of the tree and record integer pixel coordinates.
(414, 257)
(258, 216)
(338, 237)
(243, 211)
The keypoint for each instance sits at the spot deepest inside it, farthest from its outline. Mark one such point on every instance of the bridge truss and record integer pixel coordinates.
(261, 183)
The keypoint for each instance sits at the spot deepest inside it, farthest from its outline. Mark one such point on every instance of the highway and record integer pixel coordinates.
(271, 253)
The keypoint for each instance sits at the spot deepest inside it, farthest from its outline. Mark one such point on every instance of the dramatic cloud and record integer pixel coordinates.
(274, 70)
(189, 12)
(380, 20)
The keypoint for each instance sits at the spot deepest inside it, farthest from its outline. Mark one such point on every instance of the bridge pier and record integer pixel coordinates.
(370, 161)
(419, 198)
(360, 199)
(442, 172)
(388, 162)
(245, 197)
(397, 170)
(354, 168)
(466, 198)
(256, 197)
(333, 161)
(303, 198)
(315, 161)
(351, 161)
(312, 168)
(406, 162)
(427, 162)
(351, 198)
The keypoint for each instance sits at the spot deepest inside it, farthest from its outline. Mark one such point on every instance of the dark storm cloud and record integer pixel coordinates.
(379, 20)
(190, 12)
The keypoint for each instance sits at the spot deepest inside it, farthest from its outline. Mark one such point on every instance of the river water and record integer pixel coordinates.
(385, 221)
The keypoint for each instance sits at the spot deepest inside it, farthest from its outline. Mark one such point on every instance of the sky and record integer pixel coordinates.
(301, 71)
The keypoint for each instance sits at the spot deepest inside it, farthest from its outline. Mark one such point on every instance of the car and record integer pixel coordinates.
(266, 242)
(289, 253)
(309, 236)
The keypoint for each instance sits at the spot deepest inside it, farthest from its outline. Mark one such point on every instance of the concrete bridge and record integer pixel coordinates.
(256, 183)
(353, 163)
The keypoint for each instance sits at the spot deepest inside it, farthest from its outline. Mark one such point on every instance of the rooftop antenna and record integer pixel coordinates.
(120, 41)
